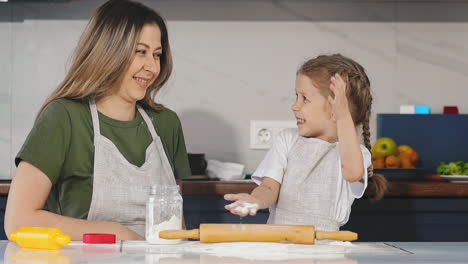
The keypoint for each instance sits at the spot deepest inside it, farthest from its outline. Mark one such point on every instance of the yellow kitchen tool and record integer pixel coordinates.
(299, 234)
(40, 238)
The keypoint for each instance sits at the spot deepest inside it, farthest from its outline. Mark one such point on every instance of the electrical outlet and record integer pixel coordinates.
(262, 133)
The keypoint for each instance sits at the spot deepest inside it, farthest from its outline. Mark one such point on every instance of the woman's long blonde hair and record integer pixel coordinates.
(358, 92)
(105, 50)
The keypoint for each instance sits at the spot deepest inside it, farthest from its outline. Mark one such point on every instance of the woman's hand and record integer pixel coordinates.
(244, 204)
(340, 102)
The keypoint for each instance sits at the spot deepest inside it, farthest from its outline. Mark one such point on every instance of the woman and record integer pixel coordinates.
(100, 140)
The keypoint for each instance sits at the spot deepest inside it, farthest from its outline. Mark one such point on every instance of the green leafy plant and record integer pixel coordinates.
(453, 168)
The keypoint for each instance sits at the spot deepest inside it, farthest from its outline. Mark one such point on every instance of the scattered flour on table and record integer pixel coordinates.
(270, 251)
(336, 243)
(174, 223)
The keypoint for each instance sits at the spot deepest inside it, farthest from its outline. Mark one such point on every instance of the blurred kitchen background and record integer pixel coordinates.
(235, 61)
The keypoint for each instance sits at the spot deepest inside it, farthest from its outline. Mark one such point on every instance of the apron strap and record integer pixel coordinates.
(157, 140)
(148, 122)
(95, 117)
(165, 161)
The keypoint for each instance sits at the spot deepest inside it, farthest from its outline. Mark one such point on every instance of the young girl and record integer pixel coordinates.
(100, 139)
(312, 174)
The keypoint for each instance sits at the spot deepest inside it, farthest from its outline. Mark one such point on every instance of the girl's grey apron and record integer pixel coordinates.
(121, 189)
(308, 191)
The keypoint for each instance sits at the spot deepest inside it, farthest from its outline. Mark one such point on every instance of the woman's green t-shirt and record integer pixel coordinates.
(61, 145)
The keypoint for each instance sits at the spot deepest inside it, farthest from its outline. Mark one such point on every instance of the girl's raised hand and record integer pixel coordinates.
(340, 102)
(244, 204)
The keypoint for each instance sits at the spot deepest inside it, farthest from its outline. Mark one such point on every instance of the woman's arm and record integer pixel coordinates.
(264, 195)
(28, 193)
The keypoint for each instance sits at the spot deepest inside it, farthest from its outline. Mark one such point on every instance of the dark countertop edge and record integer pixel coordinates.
(396, 189)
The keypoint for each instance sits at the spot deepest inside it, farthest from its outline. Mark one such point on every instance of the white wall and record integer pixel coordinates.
(5, 98)
(226, 75)
(230, 72)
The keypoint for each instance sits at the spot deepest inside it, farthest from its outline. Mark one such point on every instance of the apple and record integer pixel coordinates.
(384, 147)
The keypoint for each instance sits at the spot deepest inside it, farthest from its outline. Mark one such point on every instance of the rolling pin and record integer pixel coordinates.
(299, 234)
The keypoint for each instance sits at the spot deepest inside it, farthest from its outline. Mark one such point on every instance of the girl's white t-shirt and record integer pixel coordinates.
(275, 162)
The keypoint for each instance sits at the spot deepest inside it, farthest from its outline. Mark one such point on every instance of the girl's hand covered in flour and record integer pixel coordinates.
(244, 204)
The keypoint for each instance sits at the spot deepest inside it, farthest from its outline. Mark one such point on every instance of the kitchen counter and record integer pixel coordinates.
(218, 253)
(396, 189)
(411, 211)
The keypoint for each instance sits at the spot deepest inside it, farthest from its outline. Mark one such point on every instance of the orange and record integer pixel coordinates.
(407, 151)
(392, 161)
(378, 163)
(406, 162)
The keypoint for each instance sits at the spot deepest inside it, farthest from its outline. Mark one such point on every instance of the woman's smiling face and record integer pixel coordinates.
(145, 65)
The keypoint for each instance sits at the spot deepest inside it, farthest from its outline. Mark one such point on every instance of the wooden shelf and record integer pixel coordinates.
(4, 187)
(396, 189)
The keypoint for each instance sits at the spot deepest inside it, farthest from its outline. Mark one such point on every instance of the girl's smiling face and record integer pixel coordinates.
(145, 65)
(313, 111)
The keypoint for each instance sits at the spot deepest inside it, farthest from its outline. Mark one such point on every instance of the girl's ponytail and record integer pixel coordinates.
(377, 182)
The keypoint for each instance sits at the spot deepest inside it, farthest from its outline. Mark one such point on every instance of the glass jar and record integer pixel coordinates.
(163, 212)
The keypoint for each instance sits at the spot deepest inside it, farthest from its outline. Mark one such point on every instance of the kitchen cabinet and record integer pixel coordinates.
(436, 137)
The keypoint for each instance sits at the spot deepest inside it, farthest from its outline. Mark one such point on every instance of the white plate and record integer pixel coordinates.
(456, 178)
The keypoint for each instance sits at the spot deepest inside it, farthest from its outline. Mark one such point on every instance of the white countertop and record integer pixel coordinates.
(194, 252)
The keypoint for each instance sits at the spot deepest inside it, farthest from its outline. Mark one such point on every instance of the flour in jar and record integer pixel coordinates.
(174, 223)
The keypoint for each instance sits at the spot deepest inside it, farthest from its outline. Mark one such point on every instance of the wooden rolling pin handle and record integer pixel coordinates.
(339, 235)
(180, 234)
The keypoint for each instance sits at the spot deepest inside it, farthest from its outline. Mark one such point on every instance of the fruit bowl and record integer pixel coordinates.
(416, 174)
